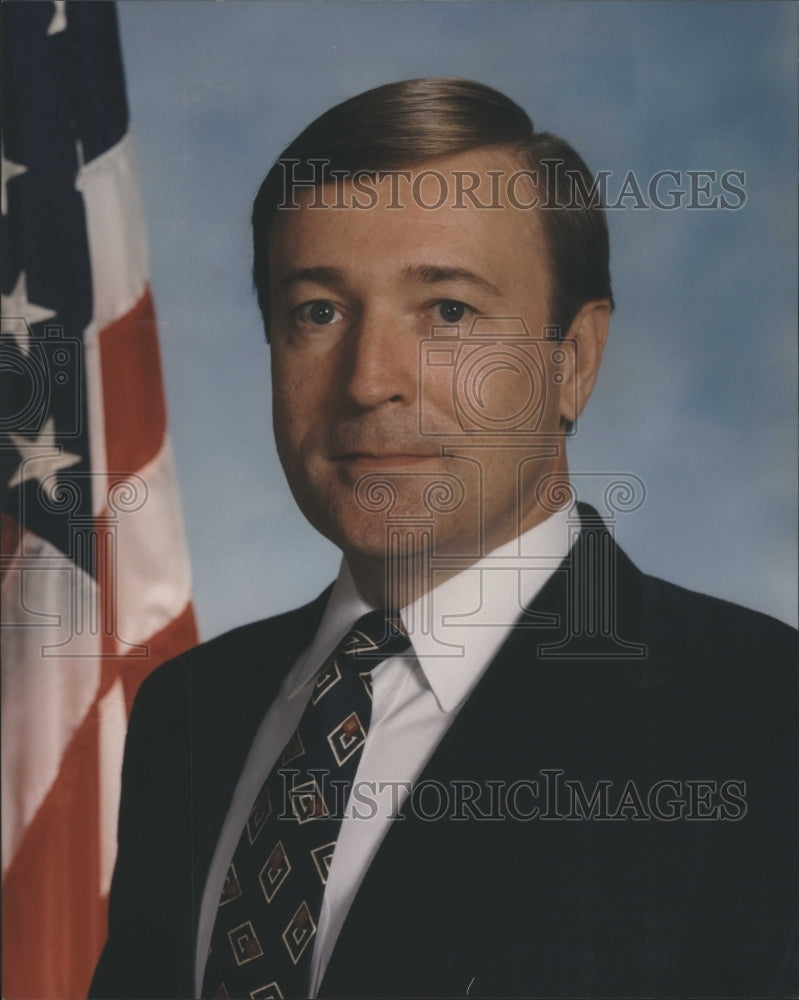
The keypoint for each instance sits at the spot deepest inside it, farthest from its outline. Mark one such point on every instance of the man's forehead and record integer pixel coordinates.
(486, 179)
(473, 203)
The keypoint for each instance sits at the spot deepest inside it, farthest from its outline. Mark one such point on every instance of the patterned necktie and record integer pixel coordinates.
(261, 945)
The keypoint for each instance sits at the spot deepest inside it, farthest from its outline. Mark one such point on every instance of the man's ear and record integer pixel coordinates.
(586, 342)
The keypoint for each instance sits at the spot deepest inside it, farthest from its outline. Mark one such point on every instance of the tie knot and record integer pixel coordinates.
(374, 637)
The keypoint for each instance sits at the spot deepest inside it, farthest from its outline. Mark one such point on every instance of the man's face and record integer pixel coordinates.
(359, 392)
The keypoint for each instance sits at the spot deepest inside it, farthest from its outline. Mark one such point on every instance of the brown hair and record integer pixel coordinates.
(405, 124)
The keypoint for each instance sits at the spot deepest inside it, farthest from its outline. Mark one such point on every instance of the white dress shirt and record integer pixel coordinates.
(455, 630)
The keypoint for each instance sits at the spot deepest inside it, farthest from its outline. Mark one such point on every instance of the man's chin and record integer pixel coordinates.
(374, 539)
(363, 545)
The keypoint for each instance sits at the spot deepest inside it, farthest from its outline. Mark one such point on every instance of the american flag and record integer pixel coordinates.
(95, 573)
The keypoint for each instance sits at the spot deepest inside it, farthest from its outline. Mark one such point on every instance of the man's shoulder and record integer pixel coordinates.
(661, 610)
(257, 651)
(704, 618)
(717, 651)
(706, 648)
(686, 605)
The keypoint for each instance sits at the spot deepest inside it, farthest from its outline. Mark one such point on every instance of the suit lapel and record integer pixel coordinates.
(229, 699)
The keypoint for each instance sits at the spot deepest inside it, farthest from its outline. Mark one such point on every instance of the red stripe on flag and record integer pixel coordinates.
(10, 534)
(49, 886)
(133, 396)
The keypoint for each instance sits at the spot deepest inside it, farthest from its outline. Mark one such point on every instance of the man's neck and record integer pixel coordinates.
(395, 581)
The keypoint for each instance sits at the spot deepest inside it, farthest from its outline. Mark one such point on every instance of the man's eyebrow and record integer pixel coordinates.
(427, 274)
(432, 274)
(330, 276)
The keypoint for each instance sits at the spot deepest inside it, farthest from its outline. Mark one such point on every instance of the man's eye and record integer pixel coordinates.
(451, 311)
(319, 313)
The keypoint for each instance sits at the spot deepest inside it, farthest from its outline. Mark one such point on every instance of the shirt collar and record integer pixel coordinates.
(458, 627)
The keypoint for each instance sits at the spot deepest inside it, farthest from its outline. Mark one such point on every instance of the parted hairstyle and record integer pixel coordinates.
(409, 123)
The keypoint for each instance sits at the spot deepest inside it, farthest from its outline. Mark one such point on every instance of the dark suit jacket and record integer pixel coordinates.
(650, 683)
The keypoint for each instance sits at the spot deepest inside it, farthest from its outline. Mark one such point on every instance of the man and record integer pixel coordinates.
(558, 776)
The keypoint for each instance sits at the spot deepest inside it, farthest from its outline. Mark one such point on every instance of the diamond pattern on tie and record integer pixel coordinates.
(268, 913)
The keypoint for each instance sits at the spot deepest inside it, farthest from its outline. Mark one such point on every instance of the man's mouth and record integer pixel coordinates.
(377, 461)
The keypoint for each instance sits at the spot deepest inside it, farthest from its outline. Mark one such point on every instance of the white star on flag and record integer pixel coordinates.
(17, 305)
(8, 171)
(41, 458)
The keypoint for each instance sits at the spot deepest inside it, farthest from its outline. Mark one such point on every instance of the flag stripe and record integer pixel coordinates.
(53, 915)
(9, 537)
(132, 387)
(45, 696)
(111, 744)
(153, 577)
(115, 231)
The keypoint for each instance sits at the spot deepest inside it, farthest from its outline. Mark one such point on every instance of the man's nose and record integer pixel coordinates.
(382, 361)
